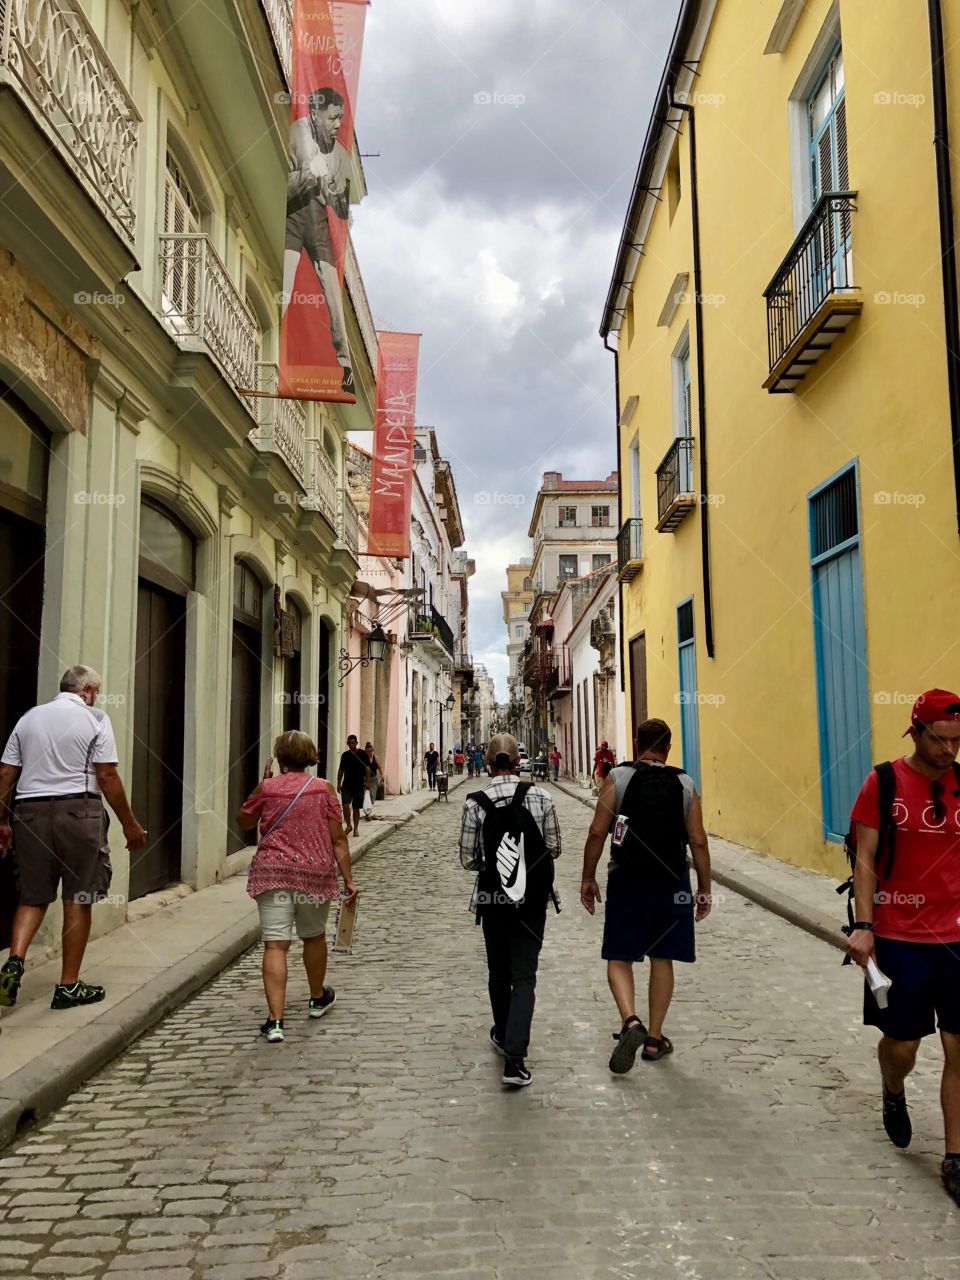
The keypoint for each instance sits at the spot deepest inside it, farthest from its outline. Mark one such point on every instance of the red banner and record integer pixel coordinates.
(391, 488)
(315, 360)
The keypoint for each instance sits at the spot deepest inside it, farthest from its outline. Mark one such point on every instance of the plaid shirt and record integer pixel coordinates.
(537, 801)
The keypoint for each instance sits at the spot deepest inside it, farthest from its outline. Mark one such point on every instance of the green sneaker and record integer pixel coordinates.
(272, 1030)
(78, 994)
(320, 1004)
(10, 976)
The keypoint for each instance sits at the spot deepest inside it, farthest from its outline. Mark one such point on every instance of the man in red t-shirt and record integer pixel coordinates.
(908, 916)
(603, 757)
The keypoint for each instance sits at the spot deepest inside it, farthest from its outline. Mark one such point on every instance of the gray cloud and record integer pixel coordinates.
(491, 226)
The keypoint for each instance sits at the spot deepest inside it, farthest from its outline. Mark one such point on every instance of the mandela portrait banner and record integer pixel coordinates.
(391, 487)
(315, 361)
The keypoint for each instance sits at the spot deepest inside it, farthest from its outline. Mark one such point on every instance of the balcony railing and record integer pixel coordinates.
(462, 660)
(812, 298)
(281, 424)
(429, 622)
(630, 548)
(675, 496)
(51, 55)
(279, 14)
(202, 309)
(321, 483)
(348, 522)
(558, 672)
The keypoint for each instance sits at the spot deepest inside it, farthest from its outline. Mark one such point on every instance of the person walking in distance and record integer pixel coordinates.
(293, 875)
(555, 763)
(62, 760)
(603, 762)
(431, 762)
(906, 884)
(510, 836)
(376, 774)
(653, 812)
(353, 778)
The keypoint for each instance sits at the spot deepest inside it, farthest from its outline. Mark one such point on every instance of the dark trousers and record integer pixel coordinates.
(513, 943)
(431, 778)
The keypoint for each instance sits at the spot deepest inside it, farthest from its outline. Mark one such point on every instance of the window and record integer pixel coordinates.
(835, 518)
(635, 477)
(600, 517)
(568, 517)
(247, 594)
(674, 189)
(519, 632)
(181, 266)
(599, 560)
(568, 567)
(527, 584)
(829, 167)
(683, 410)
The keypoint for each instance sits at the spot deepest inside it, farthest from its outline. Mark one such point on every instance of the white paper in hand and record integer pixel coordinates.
(878, 983)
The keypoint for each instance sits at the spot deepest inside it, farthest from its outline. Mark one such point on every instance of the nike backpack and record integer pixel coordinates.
(649, 832)
(516, 868)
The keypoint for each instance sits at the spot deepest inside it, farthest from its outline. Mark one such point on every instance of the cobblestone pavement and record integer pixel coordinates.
(378, 1142)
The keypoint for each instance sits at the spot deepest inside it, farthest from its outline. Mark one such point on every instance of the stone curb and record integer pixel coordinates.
(818, 923)
(39, 1088)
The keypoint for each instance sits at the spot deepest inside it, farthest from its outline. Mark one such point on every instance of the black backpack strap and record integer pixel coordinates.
(483, 800)
(520, 794)
(886, 794)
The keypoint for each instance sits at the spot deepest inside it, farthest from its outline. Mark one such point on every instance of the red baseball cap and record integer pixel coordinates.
(934, 705)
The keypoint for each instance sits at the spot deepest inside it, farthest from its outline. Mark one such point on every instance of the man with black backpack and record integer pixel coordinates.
(652, 813)
(905, 837)
(510, 837)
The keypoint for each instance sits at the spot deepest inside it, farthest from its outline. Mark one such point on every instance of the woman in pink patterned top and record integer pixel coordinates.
(293, 876)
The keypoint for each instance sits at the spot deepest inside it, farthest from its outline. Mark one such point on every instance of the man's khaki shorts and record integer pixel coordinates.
(61, 841)
(280, 909)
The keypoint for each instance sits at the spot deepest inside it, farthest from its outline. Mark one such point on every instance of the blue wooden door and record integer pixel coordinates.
(689, 707)
(841, 650)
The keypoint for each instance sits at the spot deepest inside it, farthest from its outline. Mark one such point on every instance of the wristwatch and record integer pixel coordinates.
(862, 924)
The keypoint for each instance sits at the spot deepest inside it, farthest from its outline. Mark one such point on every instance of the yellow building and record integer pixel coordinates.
(789, 411)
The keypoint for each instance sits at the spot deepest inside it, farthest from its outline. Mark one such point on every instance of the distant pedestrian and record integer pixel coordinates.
(653, 812)
(458, 761)
(906, 884)
(431, 760)
(62, 758)
(555, 763)
(449, 762)
(376, 775)
(353, 779)
(471, 762)
(478, 761)
(603, 762)
(293, 875)
(510, 836)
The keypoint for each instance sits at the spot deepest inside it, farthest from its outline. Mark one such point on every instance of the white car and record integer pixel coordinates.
(525, 764)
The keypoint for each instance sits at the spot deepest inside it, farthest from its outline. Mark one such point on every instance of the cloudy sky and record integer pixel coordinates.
(509, 133)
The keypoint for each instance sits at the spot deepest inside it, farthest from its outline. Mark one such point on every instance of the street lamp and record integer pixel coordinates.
(448, 703)
(376, 648)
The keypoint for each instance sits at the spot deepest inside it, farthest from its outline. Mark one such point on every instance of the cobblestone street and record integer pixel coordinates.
(379, 1142)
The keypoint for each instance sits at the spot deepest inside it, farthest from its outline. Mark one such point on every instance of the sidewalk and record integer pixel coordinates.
(804, 898)
(149, 966)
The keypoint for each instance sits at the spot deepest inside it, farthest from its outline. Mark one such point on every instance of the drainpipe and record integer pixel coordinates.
(701, 382)
(616, 377)
(948, 254)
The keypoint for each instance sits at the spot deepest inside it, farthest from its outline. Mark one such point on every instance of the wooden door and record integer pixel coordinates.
(158, 729)
(244, 729)
(323, 701)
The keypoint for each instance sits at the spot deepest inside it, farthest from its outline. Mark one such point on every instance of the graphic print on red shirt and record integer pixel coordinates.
(921, 900)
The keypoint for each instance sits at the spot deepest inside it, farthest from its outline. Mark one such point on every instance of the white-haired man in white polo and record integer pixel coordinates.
(62, 761)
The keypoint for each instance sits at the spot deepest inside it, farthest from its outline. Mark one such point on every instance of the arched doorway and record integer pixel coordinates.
(24, 455)
(167, 574)
(292, 667)
(245, 681)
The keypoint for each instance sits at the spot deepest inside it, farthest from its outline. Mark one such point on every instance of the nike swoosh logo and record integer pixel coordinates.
(512, 865)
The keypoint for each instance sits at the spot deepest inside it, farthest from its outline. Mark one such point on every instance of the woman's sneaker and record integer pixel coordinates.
(320, 1004)
(78, 993)
(272, 1030)
(10, 976)
(516, 1074)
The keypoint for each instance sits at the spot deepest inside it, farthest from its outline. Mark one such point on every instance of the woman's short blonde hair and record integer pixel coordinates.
(295, 750)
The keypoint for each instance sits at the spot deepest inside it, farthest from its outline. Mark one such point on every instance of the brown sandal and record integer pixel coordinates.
(654, 1049)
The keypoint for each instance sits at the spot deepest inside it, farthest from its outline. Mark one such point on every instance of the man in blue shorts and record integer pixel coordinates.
(907, 913)
(652, 813)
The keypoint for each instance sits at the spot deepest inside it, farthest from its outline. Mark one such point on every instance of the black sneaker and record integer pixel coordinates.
(629, 1040)
(73, 996)
(10, 976)
(950, 1177)
(272, 1030)
(896, 1118)
(497, 1042)
(516, 1074)
(320, 1004)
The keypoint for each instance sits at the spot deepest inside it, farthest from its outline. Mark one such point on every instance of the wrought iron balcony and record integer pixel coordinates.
(203, 311)
(321, 482)
(558, 673)
(281, 424)
(812, 298)
(51, 56)
(675, 496)
(463, 661)
(431, 623)
(348, 522)
(279, 15)
(630, 548)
